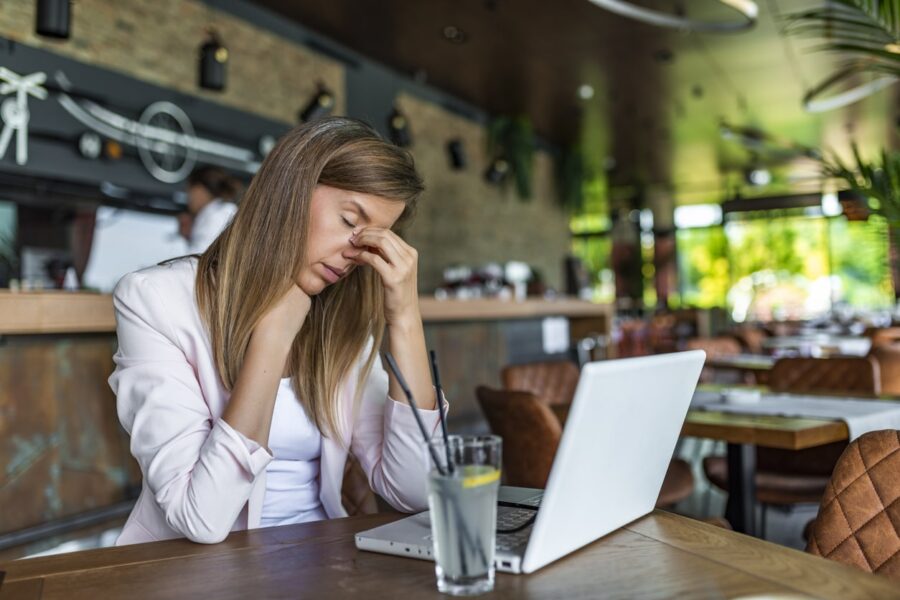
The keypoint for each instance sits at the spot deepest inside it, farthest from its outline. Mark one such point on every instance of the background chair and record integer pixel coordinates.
(714, 347)
(531, 434)
(356, 495)
(859, 519)
(789, 477)
(552, 382)
(888, 358)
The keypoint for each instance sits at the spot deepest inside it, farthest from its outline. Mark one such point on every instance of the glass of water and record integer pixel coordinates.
(462, 498)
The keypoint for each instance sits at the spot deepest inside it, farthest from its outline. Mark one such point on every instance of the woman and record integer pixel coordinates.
(246, 376)
(211, 197)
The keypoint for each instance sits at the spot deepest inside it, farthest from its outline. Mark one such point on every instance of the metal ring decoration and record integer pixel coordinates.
(165, 142)
(747, 13)
(814, 104)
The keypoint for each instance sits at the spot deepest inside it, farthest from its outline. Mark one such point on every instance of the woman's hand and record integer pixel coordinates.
(396, 262)
(284, 319)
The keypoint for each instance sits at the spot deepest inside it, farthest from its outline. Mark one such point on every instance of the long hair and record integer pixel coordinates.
(253, 263)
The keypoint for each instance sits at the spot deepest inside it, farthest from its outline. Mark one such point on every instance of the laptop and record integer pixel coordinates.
(619, 437)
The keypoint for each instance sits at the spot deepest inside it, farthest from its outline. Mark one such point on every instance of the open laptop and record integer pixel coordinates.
(619, 437)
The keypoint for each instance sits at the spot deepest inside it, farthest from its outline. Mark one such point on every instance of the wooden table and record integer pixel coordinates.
(660, 556)
(744, 433)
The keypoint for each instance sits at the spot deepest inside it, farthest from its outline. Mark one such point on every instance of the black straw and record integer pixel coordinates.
(415, 409)
(436, 376)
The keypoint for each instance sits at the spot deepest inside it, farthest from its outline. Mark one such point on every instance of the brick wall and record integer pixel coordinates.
(462, 219)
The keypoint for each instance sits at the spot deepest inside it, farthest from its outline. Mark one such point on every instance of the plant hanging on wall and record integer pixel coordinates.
(511, 140)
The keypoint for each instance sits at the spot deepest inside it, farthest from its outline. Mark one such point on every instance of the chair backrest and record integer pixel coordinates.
(859, 519)
(552, 382)
(750, 337)
(530, 433)
(850, 374)
(356, 495)
(853, 374)
(714, 346)
(883, 335)
(888, 358)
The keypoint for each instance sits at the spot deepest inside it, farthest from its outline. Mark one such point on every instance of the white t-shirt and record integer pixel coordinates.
(209, 223)
(292, 478)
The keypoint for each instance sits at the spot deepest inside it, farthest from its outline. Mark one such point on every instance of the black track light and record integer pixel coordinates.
(319, 106)
(213, 63)
(398, 129)
(53, 18)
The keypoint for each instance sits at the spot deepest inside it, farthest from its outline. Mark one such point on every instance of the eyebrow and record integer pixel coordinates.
(362, 211)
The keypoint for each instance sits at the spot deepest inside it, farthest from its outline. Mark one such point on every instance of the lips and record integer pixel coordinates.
(331, 274)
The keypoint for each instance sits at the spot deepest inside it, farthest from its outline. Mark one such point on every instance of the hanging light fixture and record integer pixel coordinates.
(747, 12)
(814, 102)
(213, 62)
(398, 129)
(320, 105)
(52, 18)
(456, 153)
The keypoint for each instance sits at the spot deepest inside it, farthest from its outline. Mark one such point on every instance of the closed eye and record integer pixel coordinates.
(348, 223)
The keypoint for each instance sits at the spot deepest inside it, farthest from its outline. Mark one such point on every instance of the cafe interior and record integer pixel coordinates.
(610, 186)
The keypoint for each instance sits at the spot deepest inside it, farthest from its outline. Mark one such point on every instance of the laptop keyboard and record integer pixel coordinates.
(510, 518)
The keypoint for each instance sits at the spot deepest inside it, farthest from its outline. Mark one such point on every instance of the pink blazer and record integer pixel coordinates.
(201, 481)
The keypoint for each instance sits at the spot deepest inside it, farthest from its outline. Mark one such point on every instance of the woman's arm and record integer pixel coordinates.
(253, 397)
(397, 262)
(199, 469)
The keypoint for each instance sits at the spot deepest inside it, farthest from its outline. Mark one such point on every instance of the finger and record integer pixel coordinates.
(376, 262)
(388, 246)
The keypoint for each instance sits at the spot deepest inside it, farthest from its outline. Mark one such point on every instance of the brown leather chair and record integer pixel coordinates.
(788, 477)
(888, 358)
(552, 382)
(882, 336)
(356, 495)
(714, 347)
(859, 519)
(750, 338)
(531, 434)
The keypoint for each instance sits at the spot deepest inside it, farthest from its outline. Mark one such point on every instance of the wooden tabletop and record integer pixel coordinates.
(788, 433)
(660, 556)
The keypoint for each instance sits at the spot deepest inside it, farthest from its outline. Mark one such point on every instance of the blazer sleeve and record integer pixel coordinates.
(198, 468)
(388, 444)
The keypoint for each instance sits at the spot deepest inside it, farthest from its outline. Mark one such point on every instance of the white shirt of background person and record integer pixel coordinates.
(209, 223)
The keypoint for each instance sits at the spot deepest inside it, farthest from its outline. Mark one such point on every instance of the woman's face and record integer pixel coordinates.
(335, 215)
(197, 197)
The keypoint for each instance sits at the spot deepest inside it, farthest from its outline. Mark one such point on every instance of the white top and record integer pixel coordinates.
(209, 223)
(292, 478)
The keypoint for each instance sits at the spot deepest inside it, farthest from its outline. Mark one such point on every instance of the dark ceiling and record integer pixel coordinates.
(660, 95)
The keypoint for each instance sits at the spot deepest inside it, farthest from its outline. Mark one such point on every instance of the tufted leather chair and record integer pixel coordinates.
(552, 382)
(356, 495)
(786, 477)
(888, 358)
(531, 432)
(859, 520)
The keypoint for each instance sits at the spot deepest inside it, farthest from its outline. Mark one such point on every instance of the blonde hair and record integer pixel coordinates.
(254, 261)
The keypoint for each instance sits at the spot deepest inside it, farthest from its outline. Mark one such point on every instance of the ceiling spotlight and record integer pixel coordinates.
(456, 152)
(90, 145)
(398, 129)
(213, 62)
(53, 18)
(758, 176)
(497, 171)
(585, 91)
(319, 106)
(747, 13)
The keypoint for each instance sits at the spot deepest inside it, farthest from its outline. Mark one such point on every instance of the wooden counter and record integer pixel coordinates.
(81, 312)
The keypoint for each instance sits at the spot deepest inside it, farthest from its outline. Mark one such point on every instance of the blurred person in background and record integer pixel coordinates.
(212, 196)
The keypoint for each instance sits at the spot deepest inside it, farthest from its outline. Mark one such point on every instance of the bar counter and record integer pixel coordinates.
(83, 312)
(60, 439)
